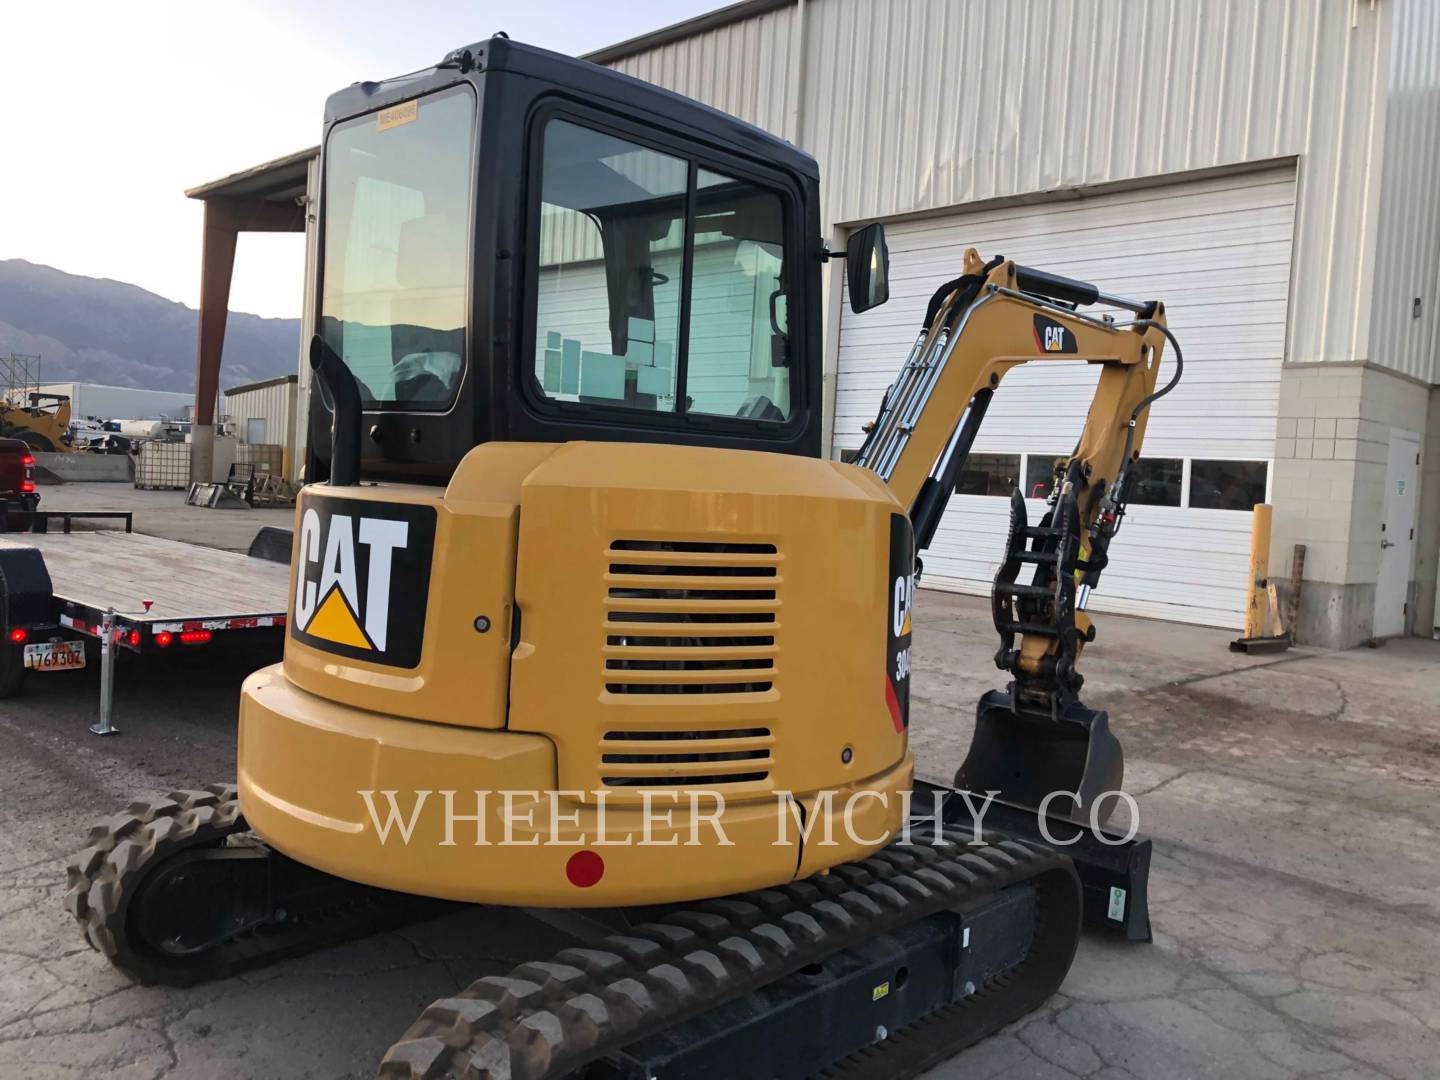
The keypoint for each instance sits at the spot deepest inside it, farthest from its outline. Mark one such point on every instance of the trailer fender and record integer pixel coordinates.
(26, 596)
(26, 599)
(272, 543)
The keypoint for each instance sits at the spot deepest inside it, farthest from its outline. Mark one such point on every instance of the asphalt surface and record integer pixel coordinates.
(1295, 892)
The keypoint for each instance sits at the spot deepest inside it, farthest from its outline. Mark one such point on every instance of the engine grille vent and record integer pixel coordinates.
(685, 617)
(685, 758)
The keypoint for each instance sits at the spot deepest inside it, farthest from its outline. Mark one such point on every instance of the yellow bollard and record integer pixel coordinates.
(1258, 595)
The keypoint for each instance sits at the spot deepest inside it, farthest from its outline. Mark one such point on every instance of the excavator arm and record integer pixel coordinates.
(1035, 737)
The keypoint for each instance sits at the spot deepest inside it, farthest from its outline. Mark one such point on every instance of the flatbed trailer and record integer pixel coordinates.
(67, 595)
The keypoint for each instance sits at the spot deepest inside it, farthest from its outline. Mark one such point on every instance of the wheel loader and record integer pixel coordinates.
(43, 424)
(584, 621)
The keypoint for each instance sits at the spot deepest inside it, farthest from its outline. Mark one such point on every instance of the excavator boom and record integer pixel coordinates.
(1035, 738)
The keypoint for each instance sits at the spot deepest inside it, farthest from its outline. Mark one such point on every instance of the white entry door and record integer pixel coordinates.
(1397, 533)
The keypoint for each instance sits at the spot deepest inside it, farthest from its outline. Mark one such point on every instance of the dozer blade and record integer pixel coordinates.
(1026, 756)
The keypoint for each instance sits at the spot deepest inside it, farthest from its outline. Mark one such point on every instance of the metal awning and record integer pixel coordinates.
(266, 198)
(281, 180)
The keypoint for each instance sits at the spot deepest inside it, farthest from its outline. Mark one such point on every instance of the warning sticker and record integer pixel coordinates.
(1116, 913)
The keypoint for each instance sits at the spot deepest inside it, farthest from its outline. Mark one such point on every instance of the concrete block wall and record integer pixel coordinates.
(1332, 441)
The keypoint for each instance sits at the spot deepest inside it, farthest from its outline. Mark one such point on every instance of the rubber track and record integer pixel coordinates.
(100, 879)
(103, 880)
(545, 1020)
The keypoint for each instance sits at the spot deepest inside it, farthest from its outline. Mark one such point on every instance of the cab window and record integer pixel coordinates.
(661, 284)
(397, 222)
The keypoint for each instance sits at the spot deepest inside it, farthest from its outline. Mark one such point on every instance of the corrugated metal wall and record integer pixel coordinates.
(1408, 246)
(917, 105)
(745, 69)
(271, 403)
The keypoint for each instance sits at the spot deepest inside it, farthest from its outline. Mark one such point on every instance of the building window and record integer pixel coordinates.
(1157, 481)
(1227, 485)
(989, 474)
(1040, 474)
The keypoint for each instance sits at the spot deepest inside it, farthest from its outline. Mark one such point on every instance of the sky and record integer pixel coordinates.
(113, 109)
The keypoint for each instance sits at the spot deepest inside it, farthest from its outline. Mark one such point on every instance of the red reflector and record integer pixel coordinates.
(19, 635)
(195, 637)
(134, 639)
(585, 868)
(163, 639)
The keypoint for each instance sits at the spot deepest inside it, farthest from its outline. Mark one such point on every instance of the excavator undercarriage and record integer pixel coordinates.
(599, 557)
(887, 965)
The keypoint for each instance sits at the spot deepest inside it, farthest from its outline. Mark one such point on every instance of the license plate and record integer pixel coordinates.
(55, 655)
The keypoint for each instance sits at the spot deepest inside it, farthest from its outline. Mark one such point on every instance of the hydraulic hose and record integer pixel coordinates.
(1146, 402)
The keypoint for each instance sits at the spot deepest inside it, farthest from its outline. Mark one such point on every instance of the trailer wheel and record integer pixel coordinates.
(12, 669)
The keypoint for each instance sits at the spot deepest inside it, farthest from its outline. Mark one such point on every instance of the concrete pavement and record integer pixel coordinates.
(1295, 893)
(164, 513)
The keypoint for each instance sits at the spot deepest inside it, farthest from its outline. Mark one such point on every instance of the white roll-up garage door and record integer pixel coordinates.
(1218, 253)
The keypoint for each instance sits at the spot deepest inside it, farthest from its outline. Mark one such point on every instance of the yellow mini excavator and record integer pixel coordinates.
(584, 622)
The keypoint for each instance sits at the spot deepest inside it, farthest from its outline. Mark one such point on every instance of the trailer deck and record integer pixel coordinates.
(156, 584)
(125, 592)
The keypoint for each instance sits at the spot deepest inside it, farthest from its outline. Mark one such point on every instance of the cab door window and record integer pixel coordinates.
(661, 285)
(738, 358)
(612, 238)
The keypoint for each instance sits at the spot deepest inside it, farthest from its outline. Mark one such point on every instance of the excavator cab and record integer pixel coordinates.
(520, 247)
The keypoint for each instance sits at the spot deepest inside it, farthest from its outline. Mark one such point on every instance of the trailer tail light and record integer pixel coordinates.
(19, 635)
(163, 639)
(134, 639)
(195, 637)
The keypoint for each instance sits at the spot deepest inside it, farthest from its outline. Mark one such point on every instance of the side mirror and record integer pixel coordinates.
(867, 263)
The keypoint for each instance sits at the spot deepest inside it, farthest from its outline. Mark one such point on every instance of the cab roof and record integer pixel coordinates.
(590, 82)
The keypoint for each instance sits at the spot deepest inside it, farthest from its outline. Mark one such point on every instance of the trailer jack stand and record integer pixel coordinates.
(107, 675)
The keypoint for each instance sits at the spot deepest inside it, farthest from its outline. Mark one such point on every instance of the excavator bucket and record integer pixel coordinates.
(1025, 756)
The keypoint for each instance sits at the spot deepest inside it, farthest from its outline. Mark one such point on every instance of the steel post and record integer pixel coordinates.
(107, 675)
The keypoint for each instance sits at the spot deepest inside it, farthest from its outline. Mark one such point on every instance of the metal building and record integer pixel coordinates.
(1267, 169)
(91, 400)
(263, 413)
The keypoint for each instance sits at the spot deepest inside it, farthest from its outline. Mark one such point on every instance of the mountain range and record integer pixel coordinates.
(101, 331)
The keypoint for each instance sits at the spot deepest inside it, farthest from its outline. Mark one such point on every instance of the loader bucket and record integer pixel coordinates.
(1026, 755)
